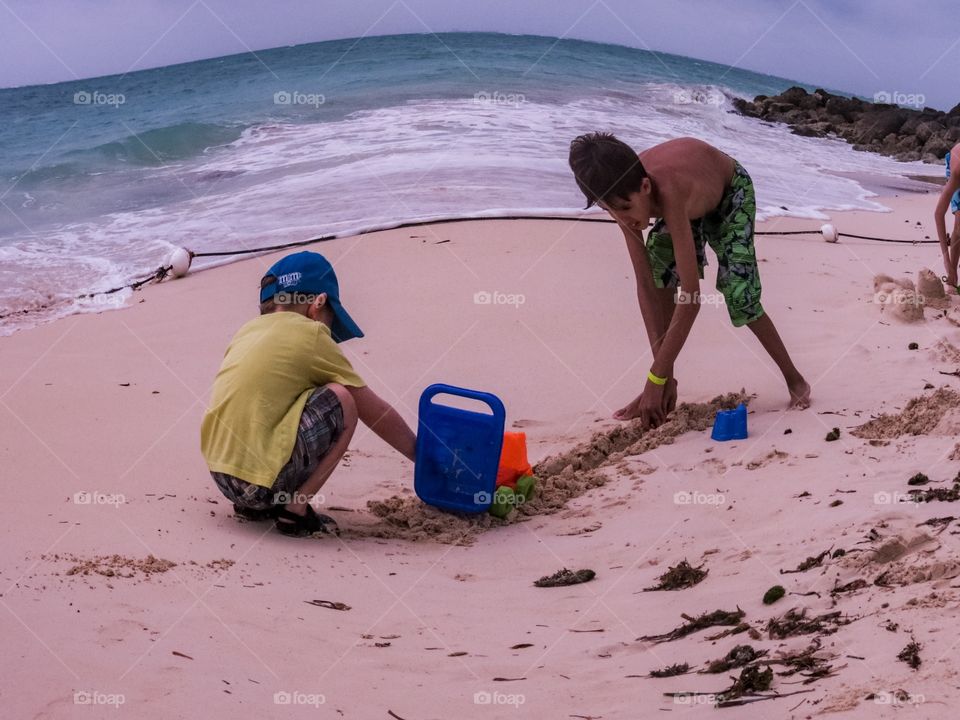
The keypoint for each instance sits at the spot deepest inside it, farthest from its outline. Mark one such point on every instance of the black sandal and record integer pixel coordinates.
(254, 514)
(313, 523)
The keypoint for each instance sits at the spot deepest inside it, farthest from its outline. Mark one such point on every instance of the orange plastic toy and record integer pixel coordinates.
(513, 460)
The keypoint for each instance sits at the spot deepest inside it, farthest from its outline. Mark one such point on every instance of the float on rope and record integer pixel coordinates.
(179, 261)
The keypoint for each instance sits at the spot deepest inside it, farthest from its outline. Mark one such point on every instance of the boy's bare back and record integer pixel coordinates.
(690, 169)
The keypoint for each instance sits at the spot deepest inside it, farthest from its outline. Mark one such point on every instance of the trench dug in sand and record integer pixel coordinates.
(559, 479)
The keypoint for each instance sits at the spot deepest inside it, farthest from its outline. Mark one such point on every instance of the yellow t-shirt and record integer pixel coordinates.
(268, 372)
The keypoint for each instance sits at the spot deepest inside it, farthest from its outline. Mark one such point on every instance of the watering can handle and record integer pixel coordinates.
(442, 389)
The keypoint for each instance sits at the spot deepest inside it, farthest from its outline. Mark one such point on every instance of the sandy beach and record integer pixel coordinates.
(128, 583)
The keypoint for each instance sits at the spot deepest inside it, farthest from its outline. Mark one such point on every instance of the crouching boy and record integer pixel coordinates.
(286, 401)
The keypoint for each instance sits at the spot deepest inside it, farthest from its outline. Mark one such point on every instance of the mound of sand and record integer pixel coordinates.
(115, 565)
(930, 288)
(905, 558)
(933, 414)
(946, 351)
(559, 479)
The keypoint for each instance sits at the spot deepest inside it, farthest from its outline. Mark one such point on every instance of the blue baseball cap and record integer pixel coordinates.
(311, 273)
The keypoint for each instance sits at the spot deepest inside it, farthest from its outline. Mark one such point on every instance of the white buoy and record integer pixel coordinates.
(179, 261)
(829, 233)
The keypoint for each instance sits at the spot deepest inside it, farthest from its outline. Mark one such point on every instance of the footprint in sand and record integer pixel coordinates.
(767, 459)
(528, 423)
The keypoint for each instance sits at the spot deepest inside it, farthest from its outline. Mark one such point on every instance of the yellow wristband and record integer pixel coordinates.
(656, 380)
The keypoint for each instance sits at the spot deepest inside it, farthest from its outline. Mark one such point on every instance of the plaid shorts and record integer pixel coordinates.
(320, 425)
(729, 231)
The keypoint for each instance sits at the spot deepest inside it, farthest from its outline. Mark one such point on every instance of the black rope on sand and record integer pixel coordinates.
(161, 272)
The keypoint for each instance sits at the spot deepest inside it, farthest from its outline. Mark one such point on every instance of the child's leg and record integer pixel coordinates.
(332, 457)
(954, 252)
(738, 278)
(768, 336)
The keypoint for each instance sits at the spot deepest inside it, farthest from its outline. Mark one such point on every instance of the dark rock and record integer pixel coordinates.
(907, 143)
(890, 141)
(928, 129)
(906, 134)
(878, 124)
(936, 146)
(911, 125)
(807, 131)
(794, 95)
(745, 107)
(845, 107)
(909, 156)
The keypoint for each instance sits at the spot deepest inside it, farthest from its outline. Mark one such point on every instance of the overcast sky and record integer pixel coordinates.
(864, 47)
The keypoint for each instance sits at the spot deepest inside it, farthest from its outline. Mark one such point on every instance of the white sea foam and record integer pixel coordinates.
(421, 160)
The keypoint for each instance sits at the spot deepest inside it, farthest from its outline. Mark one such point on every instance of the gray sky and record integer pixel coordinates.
(864, 47)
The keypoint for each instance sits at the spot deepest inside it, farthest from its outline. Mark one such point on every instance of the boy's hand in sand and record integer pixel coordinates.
(650, 406)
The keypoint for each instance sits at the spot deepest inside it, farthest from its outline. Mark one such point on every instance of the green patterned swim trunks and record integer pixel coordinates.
(729, 231)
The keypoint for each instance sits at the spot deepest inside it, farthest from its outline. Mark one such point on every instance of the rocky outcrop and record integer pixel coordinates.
(902, 133)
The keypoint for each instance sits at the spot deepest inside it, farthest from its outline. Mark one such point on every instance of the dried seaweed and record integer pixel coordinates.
(795, 622)
(811, 562)
(752, 680)
(565, 577)
(671, 671)
(739, 656)
(911, 654)
(693, 624)
(940, 494)
(849, 587)
(680, 576)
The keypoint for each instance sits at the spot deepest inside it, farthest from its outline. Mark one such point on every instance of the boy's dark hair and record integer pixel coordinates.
(605, 168)
(268, 305)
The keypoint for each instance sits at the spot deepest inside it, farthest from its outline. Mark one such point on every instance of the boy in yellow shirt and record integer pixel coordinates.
(286, 401)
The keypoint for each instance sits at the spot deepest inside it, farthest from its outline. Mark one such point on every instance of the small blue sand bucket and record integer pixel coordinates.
(730, 424)
(458, 451)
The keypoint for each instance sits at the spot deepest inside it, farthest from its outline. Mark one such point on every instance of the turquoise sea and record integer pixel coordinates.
(101, 178)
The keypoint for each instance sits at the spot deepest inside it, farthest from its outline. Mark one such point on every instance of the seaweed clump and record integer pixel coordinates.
(671, 671)
(795, 622)
(693, 624)
(565, 577)
(739, 656)
(678, 577)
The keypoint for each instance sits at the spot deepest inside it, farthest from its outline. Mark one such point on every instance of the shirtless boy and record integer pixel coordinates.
(701, 196)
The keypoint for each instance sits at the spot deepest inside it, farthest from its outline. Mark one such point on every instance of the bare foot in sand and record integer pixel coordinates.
(799, 394)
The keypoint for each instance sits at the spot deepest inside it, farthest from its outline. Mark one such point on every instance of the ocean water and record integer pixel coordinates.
(100, 179)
